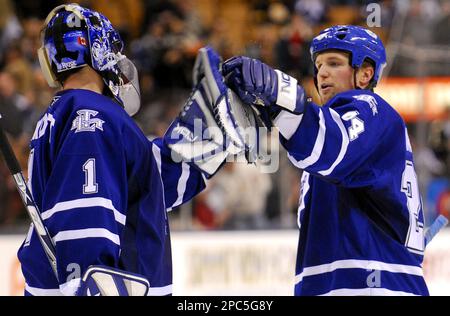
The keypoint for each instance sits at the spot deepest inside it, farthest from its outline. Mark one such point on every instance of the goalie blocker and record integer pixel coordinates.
(213, 123)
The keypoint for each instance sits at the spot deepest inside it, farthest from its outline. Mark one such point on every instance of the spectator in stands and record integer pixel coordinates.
(31, 40)
(13, 105)
(314, 11)
(442, 26)
(292, 50)
(443, 203)
(440, 139)
(125, 15)
(428, 165)
(10, 28)
(20, 68)
(236, 198)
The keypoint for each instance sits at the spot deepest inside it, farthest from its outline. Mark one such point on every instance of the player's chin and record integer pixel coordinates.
(325, 96)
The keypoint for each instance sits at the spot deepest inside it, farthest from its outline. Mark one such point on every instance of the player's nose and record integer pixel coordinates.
(323, 72)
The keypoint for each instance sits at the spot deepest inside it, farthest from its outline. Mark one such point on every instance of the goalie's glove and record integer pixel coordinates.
(259, 85)
(107, 281)
(213, 123)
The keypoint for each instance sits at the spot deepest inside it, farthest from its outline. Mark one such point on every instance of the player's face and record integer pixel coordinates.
(334, 74)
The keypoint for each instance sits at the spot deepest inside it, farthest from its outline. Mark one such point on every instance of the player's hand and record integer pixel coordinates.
(254, 81)
(258, 84)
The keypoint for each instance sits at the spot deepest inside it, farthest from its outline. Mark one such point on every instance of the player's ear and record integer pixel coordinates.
(364, 75)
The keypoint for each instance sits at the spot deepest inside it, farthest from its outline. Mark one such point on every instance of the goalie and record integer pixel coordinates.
(103, 189)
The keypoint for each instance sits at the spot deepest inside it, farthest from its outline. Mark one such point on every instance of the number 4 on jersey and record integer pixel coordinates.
(357, 125)
(90, 185)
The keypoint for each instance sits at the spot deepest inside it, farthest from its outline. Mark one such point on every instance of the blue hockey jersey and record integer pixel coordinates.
(103, 190)
(360, 211)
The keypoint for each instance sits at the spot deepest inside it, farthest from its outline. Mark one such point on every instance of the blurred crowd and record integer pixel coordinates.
(162, 37)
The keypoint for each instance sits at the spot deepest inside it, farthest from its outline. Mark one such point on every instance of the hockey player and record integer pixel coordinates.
(360, 214)
(103, 189)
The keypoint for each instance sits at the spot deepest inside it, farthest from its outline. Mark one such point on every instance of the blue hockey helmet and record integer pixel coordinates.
(75, 37)
(361, 43)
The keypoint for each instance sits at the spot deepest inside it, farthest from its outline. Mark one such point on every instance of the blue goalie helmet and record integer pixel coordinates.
(361, 43)
(75, 37)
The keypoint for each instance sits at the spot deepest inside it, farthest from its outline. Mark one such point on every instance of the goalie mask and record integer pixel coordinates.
(75, 37)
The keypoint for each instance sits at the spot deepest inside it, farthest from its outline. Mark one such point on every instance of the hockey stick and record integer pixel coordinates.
(440, 222)
(27, 198)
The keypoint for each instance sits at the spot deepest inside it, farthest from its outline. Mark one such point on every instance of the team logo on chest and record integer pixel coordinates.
(85, 121)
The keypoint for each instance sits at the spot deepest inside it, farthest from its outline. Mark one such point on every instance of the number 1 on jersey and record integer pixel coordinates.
(90, 185)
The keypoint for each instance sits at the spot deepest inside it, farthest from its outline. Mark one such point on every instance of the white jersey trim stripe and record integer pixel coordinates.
(304, 190)
(85, 203)
(408, 142)
(287, 123)
(159, 291)
(318, 146)
(35, 291)
(153, 291)
(344, 145)
(70, 288)
(181, 187)
(358, 264)
(86, 233)
(372, 291)
(205, 180)
(157, 154)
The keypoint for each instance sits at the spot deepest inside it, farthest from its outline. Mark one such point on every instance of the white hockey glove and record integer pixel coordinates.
(213, 123)
(107, 281)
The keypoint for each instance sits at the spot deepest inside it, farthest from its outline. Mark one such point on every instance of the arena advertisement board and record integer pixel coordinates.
(414, 98)
(11, 280)
(232, 263)
(417, 99)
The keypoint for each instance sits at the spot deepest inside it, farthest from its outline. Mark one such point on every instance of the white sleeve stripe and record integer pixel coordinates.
(86, 233)
(157, 154)
(181, 188)
(35, 291)
(287, 123)
(304, 191)
(205, 180)
(159, 291)
(85, 203)
(318, 146)
(358, 264)
(408, 143)
(344, 145)
(370, 291)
